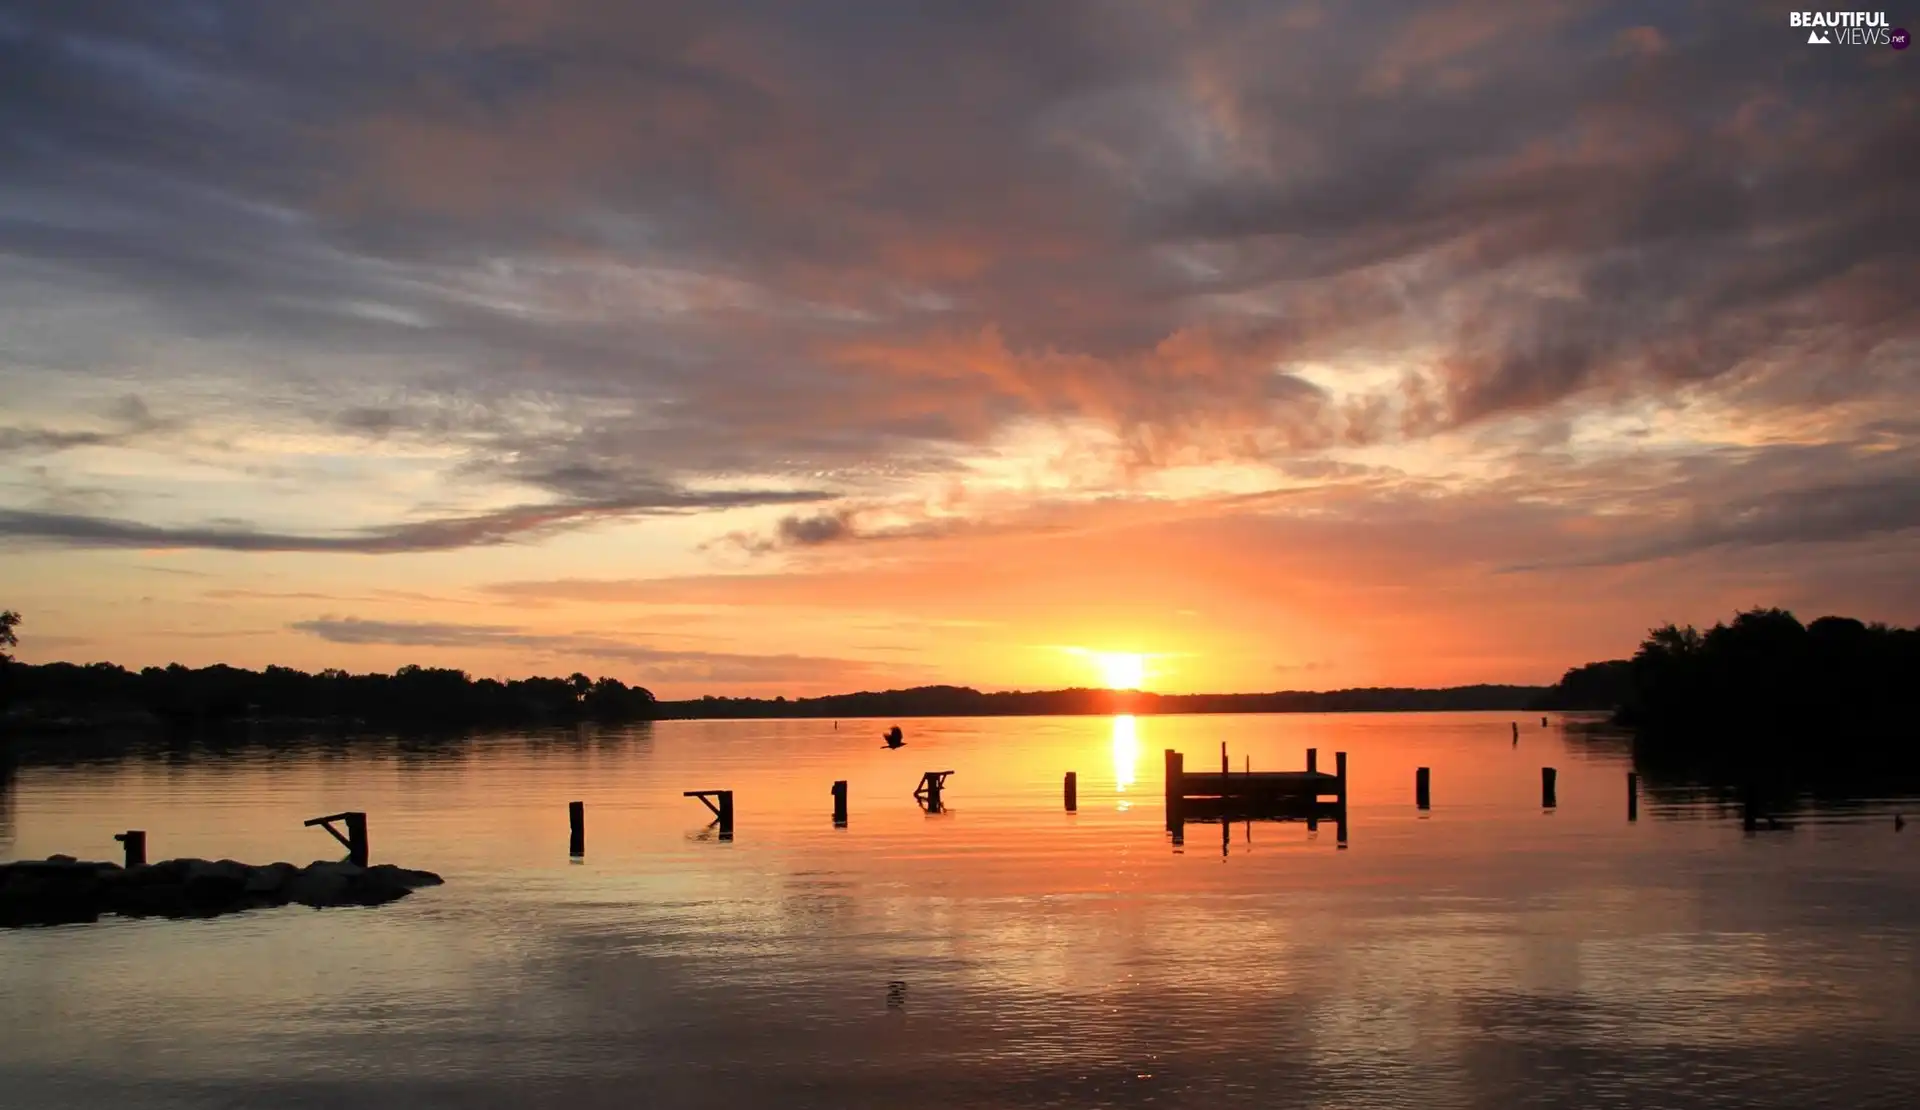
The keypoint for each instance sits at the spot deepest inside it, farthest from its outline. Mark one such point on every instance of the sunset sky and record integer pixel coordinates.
(782, 348)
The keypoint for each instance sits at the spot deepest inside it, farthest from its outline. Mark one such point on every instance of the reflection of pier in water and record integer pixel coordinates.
(1249, 795)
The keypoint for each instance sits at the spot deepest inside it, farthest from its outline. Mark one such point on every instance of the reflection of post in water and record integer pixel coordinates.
(6, 792)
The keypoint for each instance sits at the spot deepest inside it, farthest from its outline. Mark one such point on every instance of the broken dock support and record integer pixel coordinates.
(928, 792)
(356, 838)
(720, 802)
(840, 804)
(135, 843)
(576, 829)
(1072, 789)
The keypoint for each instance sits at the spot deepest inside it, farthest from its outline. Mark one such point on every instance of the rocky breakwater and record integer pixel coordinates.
(61, 890)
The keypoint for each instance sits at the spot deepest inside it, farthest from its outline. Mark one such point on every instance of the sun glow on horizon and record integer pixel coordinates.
(1121, 670)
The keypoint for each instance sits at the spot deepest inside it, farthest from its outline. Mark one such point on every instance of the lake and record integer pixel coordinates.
(1003, 953)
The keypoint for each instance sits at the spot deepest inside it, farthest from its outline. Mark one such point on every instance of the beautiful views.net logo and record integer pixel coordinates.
(1849, 29)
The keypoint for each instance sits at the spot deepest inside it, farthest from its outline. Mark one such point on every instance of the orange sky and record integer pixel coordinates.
(752, 352)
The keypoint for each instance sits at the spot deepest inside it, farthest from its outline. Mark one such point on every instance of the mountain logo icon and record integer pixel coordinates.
(1816, 37)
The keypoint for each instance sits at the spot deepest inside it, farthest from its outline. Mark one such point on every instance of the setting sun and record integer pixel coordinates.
(1122, 670)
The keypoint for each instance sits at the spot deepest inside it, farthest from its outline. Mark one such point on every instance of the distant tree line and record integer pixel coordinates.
(413, 696)
(1836, 691)
(964, 701)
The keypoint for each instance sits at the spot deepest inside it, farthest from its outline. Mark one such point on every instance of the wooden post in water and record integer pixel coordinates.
(1176, 788)
(135, 841)
(357, 847)
(1073, 791)
(1340, 773)
(1547, 799)
(1422, 794)
(1224, 767)
(840, 803)
(576, 828)
(1633, 796)
(1313, 760)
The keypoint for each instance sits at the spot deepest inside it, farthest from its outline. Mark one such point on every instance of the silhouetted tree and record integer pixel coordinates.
(9, 620)
(413, 695)
(1765, 687)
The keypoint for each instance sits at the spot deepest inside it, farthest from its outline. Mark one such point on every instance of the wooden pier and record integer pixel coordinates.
(1246, 795)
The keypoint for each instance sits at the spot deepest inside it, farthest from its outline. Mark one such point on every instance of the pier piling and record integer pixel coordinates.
(1547, 798)
(1633, 796)
(1176, 770)
(840, 803)
(1422, 794)
(1072, 787)
(135, 842)
(577, 828)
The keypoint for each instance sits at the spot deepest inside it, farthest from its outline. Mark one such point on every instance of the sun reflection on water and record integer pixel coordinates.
(1126, 752)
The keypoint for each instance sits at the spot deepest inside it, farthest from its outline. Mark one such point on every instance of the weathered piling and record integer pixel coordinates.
(1313, 759)
(1543, 722)
(1072, 788)
(1340, 814)
(576, 828)
(1176, 771)
(1547, 798)
(356, 838)
(840, 803)
(720, 804)
(135, 843)
(1422, 794)
(1633, 796)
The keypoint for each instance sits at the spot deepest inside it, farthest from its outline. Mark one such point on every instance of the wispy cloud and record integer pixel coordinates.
(522, 522)
(662, 663)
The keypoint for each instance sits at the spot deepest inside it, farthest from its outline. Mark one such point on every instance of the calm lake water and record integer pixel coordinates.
(1001, 954)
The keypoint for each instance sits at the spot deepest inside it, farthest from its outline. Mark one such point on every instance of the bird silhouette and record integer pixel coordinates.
(894, 738)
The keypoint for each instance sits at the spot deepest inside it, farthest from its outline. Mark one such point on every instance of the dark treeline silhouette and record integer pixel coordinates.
(1594, 686)
(51, 693)
(1833, 698)
(963, 701)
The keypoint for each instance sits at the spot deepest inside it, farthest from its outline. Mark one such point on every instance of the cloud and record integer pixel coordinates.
(1827, 514)
(660, 664)
(767, 266)
(524, 522)
(130, 414)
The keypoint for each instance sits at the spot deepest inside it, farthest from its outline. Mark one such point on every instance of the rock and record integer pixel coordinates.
(63, 889)
(400, 876)
(271, 878)
(215, 887)
(319, 884)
